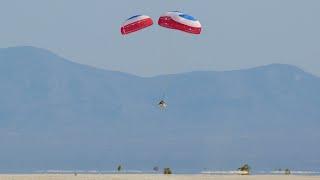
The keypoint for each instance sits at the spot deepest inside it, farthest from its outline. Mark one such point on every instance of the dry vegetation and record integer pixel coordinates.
(152, 177)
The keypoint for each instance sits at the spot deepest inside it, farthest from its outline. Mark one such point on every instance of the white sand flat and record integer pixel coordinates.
(151, 177)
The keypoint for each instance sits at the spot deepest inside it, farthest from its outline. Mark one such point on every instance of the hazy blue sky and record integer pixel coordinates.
(236, 34)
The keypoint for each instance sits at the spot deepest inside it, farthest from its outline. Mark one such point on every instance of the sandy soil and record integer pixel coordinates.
(153, 177)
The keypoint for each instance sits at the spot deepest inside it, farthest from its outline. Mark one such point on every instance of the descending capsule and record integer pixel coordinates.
(180, 21)
(162, 104)
(136, 23)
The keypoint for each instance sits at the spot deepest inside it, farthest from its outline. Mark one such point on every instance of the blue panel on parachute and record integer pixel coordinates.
(186, 16)
(134, 17)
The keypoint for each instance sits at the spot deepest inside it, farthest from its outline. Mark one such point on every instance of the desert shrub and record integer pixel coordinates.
(245, 168)
(287, 171)
(156, 168)
(119, 168)
(167, 171)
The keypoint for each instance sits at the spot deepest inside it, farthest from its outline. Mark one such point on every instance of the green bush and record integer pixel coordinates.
(167, 171)
(287, 171)
(119, 168)
(245, 168)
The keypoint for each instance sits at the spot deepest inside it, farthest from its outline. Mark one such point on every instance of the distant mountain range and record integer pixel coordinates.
(57, 114)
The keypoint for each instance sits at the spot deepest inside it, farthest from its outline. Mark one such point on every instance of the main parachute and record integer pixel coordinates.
(180, 21)
(136, 23)
(172, 20)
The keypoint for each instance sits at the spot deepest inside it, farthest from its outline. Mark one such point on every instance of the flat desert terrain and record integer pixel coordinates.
(151, 177)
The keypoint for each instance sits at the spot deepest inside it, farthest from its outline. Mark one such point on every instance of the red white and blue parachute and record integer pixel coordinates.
(180, 21)
(136, 23)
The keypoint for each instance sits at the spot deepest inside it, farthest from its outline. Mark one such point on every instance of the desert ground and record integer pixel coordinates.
(151, 177)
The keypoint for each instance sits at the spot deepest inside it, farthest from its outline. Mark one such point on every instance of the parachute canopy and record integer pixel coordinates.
(180, 21)
(136, 23)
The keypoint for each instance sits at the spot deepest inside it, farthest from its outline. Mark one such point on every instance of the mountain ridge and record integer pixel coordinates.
(31, 49)
(57, 115)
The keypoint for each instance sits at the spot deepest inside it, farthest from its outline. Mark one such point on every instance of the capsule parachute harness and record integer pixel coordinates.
(172, 20)
(182, 22)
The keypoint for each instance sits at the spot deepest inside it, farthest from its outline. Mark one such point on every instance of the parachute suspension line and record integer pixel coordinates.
(175, 20)
(171, 53)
